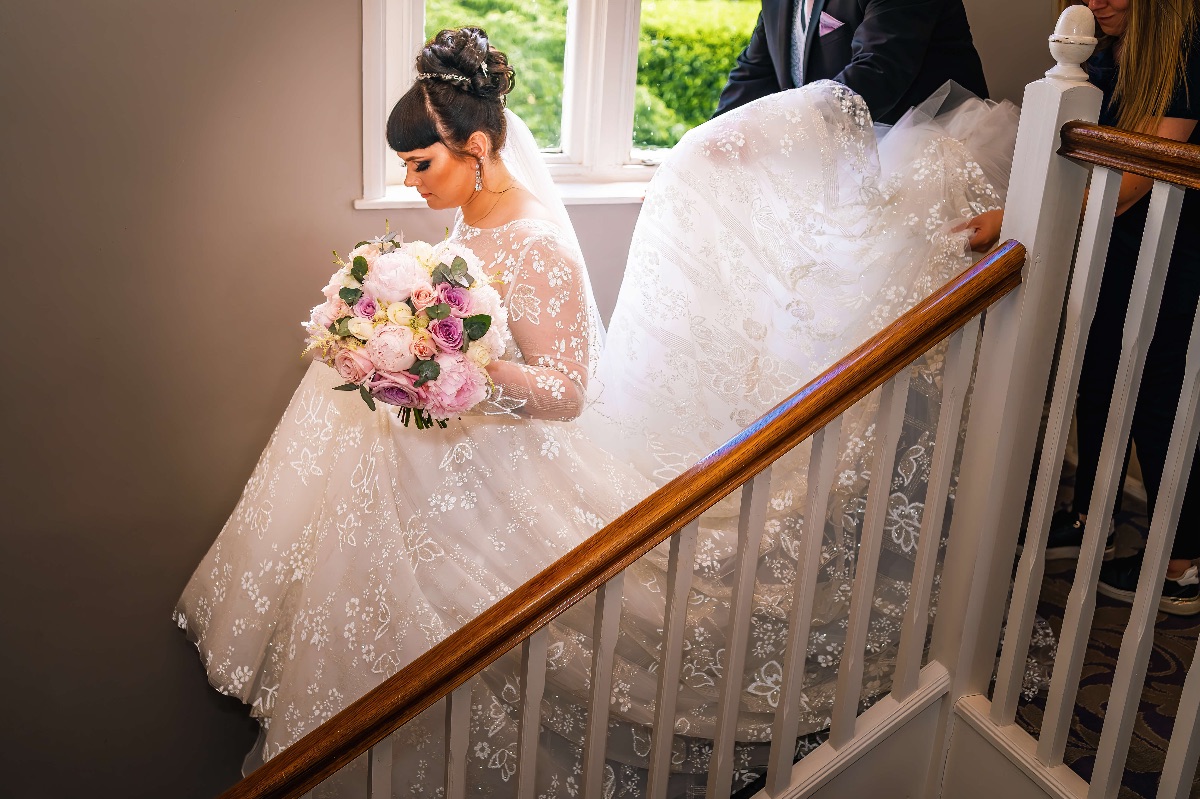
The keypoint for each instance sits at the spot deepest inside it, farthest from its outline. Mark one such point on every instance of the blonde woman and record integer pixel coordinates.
(1149, 72)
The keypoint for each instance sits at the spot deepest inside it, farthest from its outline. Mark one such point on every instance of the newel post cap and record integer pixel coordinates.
(1072, 43)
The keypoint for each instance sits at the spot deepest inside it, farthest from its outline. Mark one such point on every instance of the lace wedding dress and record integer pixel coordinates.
(772, 241)
(358, 543)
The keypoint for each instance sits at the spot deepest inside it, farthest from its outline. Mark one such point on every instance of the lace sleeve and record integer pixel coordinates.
(547, 317)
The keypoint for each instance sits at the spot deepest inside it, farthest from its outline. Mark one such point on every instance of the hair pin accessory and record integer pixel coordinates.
(442, 76)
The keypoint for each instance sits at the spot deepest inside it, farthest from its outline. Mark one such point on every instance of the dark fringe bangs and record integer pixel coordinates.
(411, 126)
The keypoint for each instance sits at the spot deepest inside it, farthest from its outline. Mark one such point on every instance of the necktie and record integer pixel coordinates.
(803, 11)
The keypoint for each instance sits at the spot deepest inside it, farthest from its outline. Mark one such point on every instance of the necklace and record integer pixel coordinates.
(491, 208)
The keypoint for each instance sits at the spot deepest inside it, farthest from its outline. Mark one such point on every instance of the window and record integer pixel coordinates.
(603, 84)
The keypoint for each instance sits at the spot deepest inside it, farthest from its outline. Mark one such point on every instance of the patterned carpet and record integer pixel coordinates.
(1174, 646)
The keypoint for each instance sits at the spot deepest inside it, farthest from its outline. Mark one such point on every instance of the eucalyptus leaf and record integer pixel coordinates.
(359, 270)
(439, 311)
(351, 296)
(474, 327)
(425, 371)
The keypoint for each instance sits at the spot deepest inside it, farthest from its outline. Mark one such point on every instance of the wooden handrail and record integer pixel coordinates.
(1149, 156)
(581, 571)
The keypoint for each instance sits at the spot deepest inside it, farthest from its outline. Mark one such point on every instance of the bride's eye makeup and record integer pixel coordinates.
(422, 166)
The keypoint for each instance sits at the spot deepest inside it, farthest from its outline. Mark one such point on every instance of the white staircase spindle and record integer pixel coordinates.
(458, 731)
(1184, 749)
(680, 567)
(1080, 310)
(889, 421)
(533, 684)
(1043, 201)
(1130, 675)
(1144, 301)
(822, 461)
(755, 497)
(960, 357)
(379, 770)
(604, 644)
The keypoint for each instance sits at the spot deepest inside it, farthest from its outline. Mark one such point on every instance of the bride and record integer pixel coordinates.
(773, 240)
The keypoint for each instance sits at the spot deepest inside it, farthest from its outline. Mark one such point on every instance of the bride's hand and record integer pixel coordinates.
(986, 229)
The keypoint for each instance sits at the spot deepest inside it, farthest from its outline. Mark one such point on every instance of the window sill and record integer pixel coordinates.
(573, 193)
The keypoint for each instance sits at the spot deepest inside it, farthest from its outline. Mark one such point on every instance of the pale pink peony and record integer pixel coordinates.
(394, 276)
(391, 348)
(353, 365)
(396, 388)
(460, 386)
(423, 346)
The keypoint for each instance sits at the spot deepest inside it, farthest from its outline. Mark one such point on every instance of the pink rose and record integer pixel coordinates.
(334, 286)
(366, 307)
(459, 387)
(458, 298)
(447, 334)
(423, 297)
(353, 365)
(423, 346)
(391, 348)
(396, 388)
(338, 308)
(322, 316)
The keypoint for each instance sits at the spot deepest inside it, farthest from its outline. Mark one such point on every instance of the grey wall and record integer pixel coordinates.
(173, 174)
(1010, 36)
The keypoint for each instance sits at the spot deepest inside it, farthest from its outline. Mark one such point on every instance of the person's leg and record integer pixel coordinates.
(1097, 378)
(1158, 402)
(1153, 420)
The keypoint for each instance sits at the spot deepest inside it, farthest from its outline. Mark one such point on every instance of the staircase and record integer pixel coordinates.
(935, 733)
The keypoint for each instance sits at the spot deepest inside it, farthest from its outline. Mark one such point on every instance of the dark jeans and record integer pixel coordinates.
(1162, 380)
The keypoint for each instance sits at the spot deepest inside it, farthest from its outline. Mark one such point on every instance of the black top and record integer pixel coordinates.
(1128, 227)
(895, 53)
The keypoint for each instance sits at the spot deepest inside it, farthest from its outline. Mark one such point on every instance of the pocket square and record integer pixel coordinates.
(828, 24)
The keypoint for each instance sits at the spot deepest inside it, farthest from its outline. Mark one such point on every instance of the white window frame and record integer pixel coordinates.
(596, 163)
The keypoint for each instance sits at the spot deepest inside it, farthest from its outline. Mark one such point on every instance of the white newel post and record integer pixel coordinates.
(1042, 212)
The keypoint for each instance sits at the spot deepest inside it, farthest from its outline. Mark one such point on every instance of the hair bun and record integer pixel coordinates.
(464, 58)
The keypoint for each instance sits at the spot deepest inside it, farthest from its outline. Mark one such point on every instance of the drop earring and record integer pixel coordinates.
(478, 175)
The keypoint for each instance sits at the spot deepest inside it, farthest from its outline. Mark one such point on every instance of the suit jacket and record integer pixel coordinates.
(895, 53)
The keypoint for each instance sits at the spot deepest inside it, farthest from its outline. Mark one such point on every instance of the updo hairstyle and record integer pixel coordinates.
(460, 88)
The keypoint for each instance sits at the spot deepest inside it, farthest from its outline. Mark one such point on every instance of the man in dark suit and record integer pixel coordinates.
(895, 53)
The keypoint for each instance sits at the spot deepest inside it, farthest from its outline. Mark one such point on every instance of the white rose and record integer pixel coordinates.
(361, 328)
(422, 252)
(493, 342)
(398, 313)
(478, 354)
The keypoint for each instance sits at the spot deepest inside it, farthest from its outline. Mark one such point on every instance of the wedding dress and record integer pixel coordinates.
(772, 241)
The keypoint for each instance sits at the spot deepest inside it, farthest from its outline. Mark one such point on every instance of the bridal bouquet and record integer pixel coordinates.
(411, 325)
